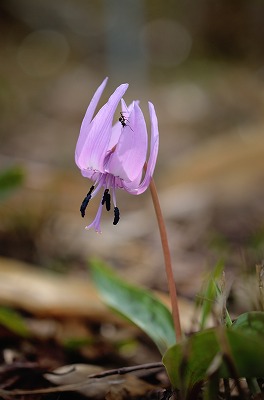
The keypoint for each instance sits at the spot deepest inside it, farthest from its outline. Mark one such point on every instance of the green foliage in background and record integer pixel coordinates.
(10, 179)
(234, 352)
(212, 299)
(12, 321)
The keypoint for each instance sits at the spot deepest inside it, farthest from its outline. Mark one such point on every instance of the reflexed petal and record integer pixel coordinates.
(116, 132)
(132, 187)
(88, 173)
(154, 147)
(129, 156)
(87, 119)
(127, 109)
(97, 141)
(117, 128)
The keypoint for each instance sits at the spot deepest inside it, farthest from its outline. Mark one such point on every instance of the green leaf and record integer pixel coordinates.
(221, 350)
(247, 352)
(187, 362)
(11, 320)
(136, 304)
(250, 322)
(10, 179)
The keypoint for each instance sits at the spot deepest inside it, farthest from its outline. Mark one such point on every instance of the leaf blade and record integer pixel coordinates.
(138, 305)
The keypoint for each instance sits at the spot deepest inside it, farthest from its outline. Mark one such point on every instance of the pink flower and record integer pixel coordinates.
(114, 156)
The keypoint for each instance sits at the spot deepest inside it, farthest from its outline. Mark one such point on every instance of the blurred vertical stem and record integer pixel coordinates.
(167, 259)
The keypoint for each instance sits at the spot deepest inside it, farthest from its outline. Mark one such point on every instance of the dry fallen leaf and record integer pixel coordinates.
(44, 293)
(115, 387)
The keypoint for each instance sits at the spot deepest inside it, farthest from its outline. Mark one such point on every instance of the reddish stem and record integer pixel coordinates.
(167, 259)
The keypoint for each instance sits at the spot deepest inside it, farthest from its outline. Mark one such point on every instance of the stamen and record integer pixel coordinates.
(104, 196)
(106, 200)
(116, 215)
(86, 201)
(85, 204)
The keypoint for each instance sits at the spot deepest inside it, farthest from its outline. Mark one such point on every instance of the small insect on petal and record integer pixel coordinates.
(124, 121)
(116, 216)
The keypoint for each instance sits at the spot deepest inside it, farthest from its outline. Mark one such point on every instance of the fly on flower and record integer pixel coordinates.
(111, 159)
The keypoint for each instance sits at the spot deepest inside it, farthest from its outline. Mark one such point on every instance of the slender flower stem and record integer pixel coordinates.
(167, 259)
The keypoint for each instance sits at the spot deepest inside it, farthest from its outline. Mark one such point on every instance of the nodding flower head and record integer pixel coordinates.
(114, 156)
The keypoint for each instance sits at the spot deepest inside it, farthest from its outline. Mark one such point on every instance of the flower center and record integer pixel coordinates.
(106, 200)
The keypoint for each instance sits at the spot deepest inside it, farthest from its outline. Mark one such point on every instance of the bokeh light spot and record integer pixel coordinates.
(168, 43)
(43, 53)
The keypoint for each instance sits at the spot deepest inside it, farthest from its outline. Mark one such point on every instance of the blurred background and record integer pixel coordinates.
(202, 65)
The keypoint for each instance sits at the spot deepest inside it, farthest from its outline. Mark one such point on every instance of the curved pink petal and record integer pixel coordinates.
(154, 147)
(87, 119)
(132, 187)
(116, 132)
(117, 127)
(126, 110)
(97, 140)
(129, 156)
(87, 173)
